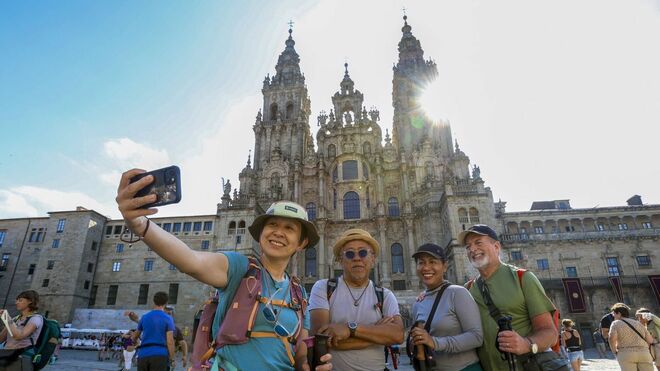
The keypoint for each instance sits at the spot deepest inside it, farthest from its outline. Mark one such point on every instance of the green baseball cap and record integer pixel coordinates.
(286, 209)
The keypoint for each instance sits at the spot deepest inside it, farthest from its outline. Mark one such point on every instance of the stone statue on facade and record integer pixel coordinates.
(476, 172)
(226, 187)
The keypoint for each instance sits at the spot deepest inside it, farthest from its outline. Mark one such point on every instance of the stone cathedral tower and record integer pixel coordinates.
(407, 189)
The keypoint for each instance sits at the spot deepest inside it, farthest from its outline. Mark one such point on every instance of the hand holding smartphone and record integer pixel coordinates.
(5, 321)
(166, 186)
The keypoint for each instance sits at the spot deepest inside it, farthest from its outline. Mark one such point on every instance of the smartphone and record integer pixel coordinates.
(320, 348)
(166, 186)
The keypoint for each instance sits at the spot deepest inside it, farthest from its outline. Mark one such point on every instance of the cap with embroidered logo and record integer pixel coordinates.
(286, 209)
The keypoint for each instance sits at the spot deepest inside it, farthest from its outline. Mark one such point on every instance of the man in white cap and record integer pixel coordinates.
(500, 292)
(282, 231)
(351, 314)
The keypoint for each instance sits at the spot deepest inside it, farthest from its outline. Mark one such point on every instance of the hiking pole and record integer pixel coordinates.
(504, 324)
(420, 353)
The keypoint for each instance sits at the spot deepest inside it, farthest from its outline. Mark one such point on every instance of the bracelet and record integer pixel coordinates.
(146, 228)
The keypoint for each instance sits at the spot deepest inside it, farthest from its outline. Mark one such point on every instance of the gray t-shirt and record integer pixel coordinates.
(38, 322)
(455, 328)
(342, 310)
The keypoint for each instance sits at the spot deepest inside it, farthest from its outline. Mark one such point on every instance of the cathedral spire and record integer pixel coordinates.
(288, 63)
(347, 84)
(410, 49)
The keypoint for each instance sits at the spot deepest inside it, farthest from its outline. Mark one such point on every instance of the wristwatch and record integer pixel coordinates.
(533, 346)
(352, 326)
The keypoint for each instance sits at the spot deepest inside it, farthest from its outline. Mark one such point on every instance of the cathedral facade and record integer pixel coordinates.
(408, 188)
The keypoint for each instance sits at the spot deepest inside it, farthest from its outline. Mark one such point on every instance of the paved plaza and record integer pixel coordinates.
(85, 360)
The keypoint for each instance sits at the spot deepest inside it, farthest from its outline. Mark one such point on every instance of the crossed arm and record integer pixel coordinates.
(387, 331)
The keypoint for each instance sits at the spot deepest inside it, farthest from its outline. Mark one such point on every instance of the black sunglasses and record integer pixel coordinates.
(350, 254)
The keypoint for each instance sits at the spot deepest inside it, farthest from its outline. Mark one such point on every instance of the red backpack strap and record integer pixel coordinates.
(520, 272)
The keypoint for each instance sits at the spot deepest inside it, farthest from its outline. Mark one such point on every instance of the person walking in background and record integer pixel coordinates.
(156, 329)
(455, 328)
(652, 323)
(630, 340)
(600, 343)
(573, 343)
(129, 347)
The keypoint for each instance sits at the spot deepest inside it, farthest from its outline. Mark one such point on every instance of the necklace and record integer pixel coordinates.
(356, 302)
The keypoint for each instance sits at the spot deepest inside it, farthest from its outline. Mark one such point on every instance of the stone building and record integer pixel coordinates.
(406, 189)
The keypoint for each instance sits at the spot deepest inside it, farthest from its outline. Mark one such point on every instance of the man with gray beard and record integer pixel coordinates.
(517, 294)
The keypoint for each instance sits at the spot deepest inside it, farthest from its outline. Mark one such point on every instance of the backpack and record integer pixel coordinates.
(240, 315)
(556, 347)
(46, 342)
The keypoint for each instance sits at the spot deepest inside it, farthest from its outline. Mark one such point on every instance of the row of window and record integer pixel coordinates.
(396, 252)
(352, 206)
(598, 227)
(39, 234)
(206, 226)
(143, 294)
(613, 267)
(205, 244)
(147, 267)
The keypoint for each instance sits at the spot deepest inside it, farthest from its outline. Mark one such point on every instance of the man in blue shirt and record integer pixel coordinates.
(156, 328)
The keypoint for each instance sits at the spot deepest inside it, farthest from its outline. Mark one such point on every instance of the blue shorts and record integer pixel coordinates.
(574, 356)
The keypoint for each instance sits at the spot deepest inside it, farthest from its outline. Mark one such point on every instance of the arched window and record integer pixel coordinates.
(366, 148)
(273, 111)
(463, 216)
(335, 174)
(241, 227)
(332, 151)
(310, 262)
(393, 207)
(397, 258)
(311, 211)
(351, 205)
(232, 228)
(289, 111)
(474, 215)
(365, 170)
(349, 170)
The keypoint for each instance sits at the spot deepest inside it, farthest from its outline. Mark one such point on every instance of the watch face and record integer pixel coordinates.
(352, 325)
(535, 348)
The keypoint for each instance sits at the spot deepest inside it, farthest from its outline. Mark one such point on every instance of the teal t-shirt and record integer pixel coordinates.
(258, 353)
(507, 294)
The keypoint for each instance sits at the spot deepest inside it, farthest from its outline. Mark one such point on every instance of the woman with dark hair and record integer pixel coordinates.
(24, 330)
(453, 332)
(630, 341)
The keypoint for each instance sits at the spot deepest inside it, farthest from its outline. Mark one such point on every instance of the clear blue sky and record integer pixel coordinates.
(552, 100)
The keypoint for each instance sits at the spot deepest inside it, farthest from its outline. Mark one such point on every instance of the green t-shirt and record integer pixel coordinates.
(507, 295)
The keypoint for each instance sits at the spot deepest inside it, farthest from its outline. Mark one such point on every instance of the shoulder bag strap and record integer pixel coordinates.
(492, 309)
(634, 329)
(427, 325)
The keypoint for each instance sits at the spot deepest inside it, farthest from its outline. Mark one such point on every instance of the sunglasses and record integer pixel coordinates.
(350, 254)
(269, 314)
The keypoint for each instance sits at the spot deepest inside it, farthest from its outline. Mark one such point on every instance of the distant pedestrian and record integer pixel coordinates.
(600, 344)
(573, 342)
(156, 350)
(630, 341)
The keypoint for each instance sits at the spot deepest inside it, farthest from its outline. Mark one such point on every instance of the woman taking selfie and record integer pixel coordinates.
(23, 331)
(454, 329)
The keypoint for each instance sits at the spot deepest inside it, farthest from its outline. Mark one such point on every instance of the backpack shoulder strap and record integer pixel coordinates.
(468, 284)
(380, 296)
(520, 272)
(331, 287)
